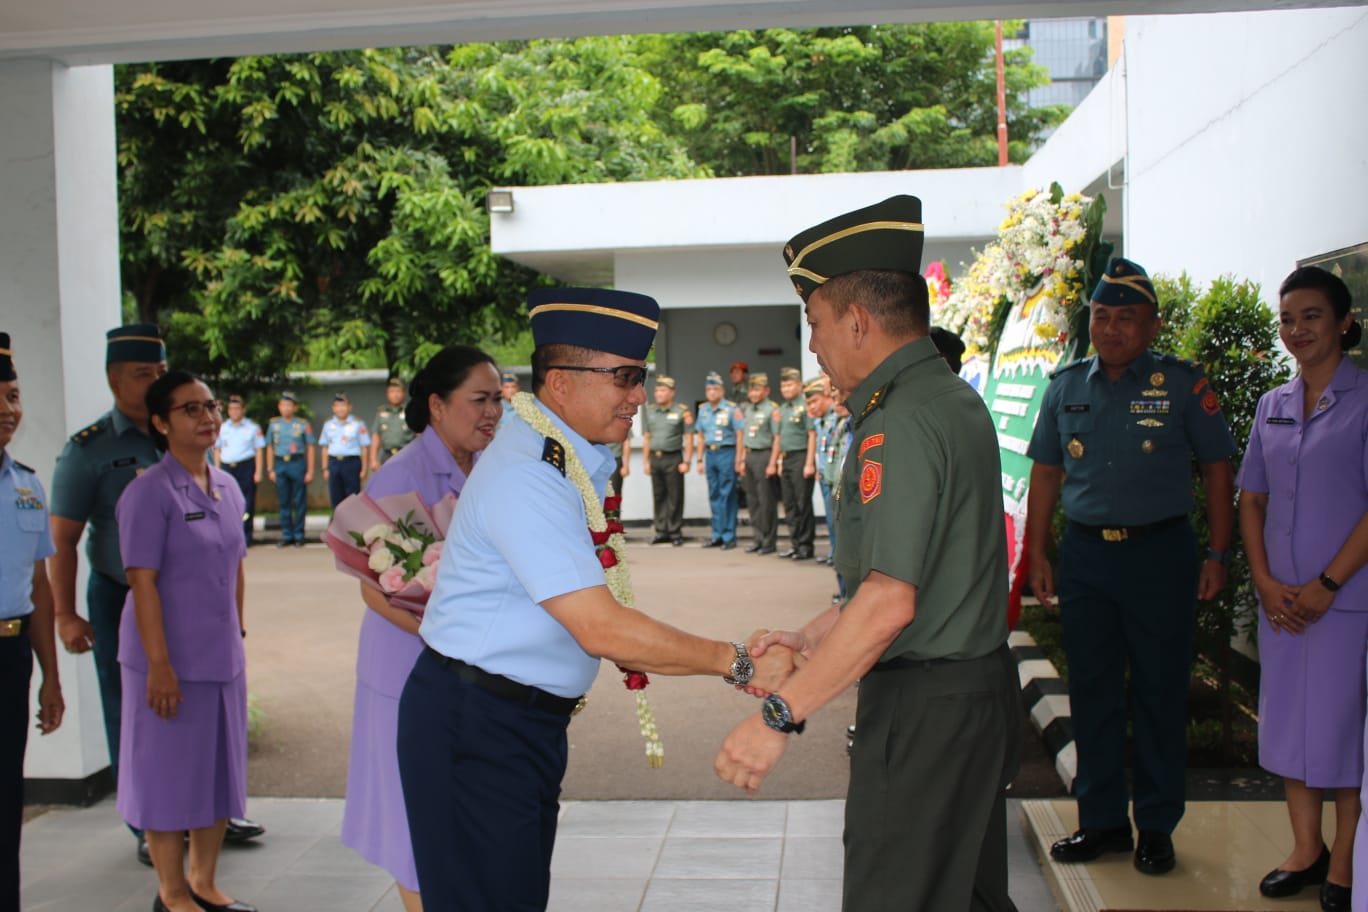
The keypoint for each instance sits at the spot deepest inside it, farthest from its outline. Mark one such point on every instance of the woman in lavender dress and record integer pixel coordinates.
(454, 406)
(183, 735)
(1304, 522)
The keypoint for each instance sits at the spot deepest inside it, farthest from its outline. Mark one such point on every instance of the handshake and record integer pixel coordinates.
(753, 748)
(777, 654)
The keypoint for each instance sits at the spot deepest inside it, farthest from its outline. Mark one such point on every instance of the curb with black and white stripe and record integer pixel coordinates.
(1047, 698)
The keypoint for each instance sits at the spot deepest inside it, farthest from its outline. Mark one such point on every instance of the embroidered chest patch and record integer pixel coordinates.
(871, 480)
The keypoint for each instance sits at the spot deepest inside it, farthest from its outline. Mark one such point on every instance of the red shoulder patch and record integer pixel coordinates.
(870, 442)
(1198, 388)
(871, 480)
(1210, 404)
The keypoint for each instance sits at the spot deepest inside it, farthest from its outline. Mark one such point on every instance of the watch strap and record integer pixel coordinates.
(1328, 583)
(1222, 557)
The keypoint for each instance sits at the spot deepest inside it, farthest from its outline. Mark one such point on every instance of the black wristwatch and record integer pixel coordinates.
(742, 669)
(1328, 583)
(777, 715)
(1221, 557)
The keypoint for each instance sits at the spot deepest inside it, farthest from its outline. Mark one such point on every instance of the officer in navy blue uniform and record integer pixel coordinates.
(26, 625)
(289, 463)
(522, 613)
(1116, 437)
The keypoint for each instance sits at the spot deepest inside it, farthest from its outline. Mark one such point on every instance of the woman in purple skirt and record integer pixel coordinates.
(454, 406)
(183, 740)
(1304, 522)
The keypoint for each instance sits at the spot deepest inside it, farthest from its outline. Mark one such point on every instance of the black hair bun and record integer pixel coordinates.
(1351, 336)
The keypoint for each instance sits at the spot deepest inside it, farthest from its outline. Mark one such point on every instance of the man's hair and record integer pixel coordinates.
(545, 355)
(897, 301)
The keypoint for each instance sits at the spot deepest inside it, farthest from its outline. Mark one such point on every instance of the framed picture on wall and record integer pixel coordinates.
(1351, 265)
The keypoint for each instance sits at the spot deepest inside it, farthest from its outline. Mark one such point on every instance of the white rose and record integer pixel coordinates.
(381, 560)
(375, 533)
(410, 544)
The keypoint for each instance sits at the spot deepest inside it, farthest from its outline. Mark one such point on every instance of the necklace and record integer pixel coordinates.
(605, 530)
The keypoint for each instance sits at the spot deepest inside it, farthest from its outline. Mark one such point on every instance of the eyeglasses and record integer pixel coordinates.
(197, 409)
(626, 377)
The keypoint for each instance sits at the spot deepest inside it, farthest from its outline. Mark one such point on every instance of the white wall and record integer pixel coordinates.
(1248, 140)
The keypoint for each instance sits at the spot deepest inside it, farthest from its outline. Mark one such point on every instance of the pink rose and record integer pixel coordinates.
(432, 553)
(392, 580)
(427, 577)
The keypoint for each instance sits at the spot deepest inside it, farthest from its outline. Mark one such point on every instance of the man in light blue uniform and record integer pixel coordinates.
(521, 615)
(26, 626)
(508, 388)
(343, 443)
(290, 442)
(238, 452)
(717, 424)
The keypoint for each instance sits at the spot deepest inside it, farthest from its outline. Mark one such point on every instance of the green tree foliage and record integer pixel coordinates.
(866, 98)
(334, 201)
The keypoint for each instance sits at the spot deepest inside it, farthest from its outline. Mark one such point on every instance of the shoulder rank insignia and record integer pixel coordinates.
(85, 435)
(554, 453)
(873, 402)
(20, 465)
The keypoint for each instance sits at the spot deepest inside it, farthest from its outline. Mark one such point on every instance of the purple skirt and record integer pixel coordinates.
(190, 771)
(1312, 700)
(374, 822)
(1360, 896)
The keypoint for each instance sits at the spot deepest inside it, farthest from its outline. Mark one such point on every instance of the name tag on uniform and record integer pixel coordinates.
(1076, 407)
(126, 461)
(191, 517)
(1282, 421)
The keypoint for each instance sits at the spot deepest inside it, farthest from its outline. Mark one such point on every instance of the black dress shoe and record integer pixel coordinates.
(802, 554)
(1279, 884)
(234, 906)
(158, 905)
(713, 543)
(280, 544)
(768, 549)
(660, 540)
(677, 541)
(1087, 845)
(1335, 898)
(240, 829)
(753, 548)
(789, 553)
(1154, 853)
(145, 857)
(727, 546)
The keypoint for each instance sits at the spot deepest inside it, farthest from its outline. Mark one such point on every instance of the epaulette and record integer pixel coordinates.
(20, 465)
(85, 435)
(874, 401)
(1174, 359)
(1077, 362)
(554, 453)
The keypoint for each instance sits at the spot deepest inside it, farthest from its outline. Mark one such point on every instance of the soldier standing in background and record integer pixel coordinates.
(794, 450)
(756, 465)
(392, 433)
(290, 442)
(238, 452)
(719, 422)
(667, 429)
(343, 442)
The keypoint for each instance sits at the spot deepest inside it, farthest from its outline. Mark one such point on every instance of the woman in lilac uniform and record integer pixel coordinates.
(454, 407)
(1304, 521)
(183, 740)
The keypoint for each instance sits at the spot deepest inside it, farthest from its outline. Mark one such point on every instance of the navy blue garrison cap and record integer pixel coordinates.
(134, 342)
(6, 359)
(618, 322)
(1124, 283)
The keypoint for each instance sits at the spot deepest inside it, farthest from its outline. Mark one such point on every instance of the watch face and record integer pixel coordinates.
(772, 714)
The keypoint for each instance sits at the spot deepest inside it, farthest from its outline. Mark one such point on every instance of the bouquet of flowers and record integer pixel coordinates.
(392, 544)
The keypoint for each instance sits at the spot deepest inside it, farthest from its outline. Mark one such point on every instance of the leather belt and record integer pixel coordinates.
(341, 458)
(659, 453)
(1122, 533)
(714, 447)
(12, 627)
(512, 691)
(288, 457)
(905, 663)
(234, 465)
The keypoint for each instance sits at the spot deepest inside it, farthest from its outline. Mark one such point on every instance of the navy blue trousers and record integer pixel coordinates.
(293, 496)
(1129, 606)
(482, 780)
(16, 666)
(344, 478)
(720, 466)
(243, 473)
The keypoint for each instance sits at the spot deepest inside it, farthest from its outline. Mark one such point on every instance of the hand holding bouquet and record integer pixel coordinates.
(391, 543)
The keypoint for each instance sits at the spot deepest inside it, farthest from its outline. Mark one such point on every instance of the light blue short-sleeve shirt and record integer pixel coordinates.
(344, 438)
(520, 537)
(24, 535)
(238, 441)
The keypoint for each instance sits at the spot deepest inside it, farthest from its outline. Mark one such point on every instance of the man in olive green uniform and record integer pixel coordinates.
(1117, 436)
(795, 450)
(920, 545)
(756, 465)
(667, 441)
(392, 432)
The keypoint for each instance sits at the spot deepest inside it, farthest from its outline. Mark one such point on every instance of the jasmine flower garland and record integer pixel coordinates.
(605, 530)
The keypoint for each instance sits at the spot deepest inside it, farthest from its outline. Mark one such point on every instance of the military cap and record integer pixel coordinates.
(790, 373)
(665, 381)
(141, 342)
(759, 379)
(1124, 283)
(340, 396)
(6, 359)
(814, 387)
(395, 381)
(713, 379)
(235, 399)
(740, 365)
(887, 235)
(617, 322)
(507, 377)
(288, 396)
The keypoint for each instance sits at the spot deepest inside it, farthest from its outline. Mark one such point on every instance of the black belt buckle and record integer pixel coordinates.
(343, 458)
(288, 458)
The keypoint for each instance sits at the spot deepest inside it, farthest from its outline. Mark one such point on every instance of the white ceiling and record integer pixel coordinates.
(118, 31)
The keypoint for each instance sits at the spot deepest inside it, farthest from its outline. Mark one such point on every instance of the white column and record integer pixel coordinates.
(59, 292)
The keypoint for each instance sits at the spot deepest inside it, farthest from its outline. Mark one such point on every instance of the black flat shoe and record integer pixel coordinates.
(766, 550)
(752, 549)
(714, 543)
(661, 540)
(1154, 853)
(727, 546)
(145, 857)
(1335, 898)
(240, 829)
(1087, 845)
(234, 906)
(677, 541)
(787, 554)
(1279, 884)
(158, 905)
(802, 554)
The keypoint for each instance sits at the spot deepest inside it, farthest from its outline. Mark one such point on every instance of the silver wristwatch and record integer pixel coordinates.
(742, 669)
